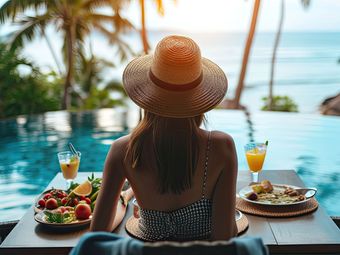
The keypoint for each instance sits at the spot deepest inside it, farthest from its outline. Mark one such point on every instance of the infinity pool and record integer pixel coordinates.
(28, 147)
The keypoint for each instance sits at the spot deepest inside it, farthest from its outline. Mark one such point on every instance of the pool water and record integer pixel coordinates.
(307, 143)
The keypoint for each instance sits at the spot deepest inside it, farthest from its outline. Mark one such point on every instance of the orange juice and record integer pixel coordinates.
(70, 168)
(255, 159)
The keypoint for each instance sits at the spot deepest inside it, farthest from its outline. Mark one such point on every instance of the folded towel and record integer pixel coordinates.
(235, 246)
(250, 245)
(105, 243)
(112, 244)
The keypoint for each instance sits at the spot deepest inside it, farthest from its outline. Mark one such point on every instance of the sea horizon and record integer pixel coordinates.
(304, 59)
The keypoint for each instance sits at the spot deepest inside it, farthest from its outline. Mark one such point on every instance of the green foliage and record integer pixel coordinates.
(93, 91)
(280, 104)
(29, 93)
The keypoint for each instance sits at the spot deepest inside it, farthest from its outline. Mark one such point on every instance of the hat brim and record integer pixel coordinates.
(149, 96)
(133, 229)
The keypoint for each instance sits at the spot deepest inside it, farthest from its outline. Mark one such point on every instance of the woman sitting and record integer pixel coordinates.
(183, 177)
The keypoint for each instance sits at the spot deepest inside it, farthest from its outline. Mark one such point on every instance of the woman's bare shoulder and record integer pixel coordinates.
(119, 146)
(224, 147)
(222, 140)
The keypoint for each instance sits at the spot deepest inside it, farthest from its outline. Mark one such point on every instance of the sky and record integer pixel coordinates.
(233, 15)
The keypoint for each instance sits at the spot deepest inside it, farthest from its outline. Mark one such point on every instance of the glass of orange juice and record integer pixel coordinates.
(255, 154)
(69, 164)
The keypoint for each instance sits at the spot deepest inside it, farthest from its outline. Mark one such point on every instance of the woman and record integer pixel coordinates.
(183, 177)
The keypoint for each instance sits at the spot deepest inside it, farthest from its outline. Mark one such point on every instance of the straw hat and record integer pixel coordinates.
(176, 81)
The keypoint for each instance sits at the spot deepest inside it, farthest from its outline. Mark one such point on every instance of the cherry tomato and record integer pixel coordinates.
(41, 203)
(62, 209)
(47, 196)
(60, 195)
(75, 201)
(64, 200)
(88, 200)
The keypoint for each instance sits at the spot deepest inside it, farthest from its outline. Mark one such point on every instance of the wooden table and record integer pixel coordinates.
(314, 233)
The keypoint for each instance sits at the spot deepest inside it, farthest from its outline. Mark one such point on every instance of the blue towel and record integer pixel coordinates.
(250, 246)
(105, 243)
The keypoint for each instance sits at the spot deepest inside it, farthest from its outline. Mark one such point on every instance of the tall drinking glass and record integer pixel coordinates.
(255, 154)
(69, 164)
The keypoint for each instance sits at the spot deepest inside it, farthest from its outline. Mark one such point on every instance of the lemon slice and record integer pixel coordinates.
(83, 189)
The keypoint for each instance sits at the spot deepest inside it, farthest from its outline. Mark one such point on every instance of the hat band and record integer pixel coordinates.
(175, 87)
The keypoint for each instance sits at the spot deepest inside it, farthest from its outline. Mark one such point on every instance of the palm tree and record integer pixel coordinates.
(305, 4)
(235, 103)
(74, 18)
(143, 32)
(276, 44)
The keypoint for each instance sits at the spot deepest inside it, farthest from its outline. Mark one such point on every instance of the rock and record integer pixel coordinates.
(331, 106)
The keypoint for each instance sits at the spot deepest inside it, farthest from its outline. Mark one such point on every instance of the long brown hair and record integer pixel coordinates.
(175, 146)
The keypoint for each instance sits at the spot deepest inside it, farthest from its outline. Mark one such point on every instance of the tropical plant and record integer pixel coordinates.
(235, 102)
(93, 91)
(280, 104)
(21, 93)
(76, 19)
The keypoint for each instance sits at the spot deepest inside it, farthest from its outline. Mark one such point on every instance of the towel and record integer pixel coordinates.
(105, 243)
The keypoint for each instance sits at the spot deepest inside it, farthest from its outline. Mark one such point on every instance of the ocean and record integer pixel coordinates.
(307, 67)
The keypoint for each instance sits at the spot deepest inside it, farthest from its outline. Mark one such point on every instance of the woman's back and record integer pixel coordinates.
(145, 181)
(184, 216)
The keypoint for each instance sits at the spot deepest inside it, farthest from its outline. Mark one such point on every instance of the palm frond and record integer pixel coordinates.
(30, 26)
(160, 7)
(98, 17)
(11, 8)
(122, 24)
(115, 86)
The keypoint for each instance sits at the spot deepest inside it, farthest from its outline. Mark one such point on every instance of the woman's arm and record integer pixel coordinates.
(224, 197)
(113, 180)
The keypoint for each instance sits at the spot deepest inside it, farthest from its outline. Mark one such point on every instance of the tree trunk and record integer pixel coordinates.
(70, 60)
(143, 28)
(236, 101)
(276, 44)
(54, 55)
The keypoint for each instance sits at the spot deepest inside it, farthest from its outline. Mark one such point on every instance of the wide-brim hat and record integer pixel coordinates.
(175, 81)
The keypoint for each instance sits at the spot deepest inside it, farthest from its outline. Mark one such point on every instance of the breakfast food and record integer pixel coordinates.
(267, 193)
(74, 205)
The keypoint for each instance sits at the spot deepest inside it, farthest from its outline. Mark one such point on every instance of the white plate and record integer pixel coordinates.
(40, 218)
(238, 215)
(244, 191)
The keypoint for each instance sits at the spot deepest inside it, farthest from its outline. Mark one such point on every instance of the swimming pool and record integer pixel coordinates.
(307, 143)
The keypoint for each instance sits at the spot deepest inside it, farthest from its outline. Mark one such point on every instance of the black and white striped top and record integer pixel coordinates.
(192, 222)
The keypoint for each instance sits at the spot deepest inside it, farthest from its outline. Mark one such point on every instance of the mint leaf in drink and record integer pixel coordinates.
(266, 143)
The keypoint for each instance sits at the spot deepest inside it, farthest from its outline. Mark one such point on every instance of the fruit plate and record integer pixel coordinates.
(279, 202)
(40, 217)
